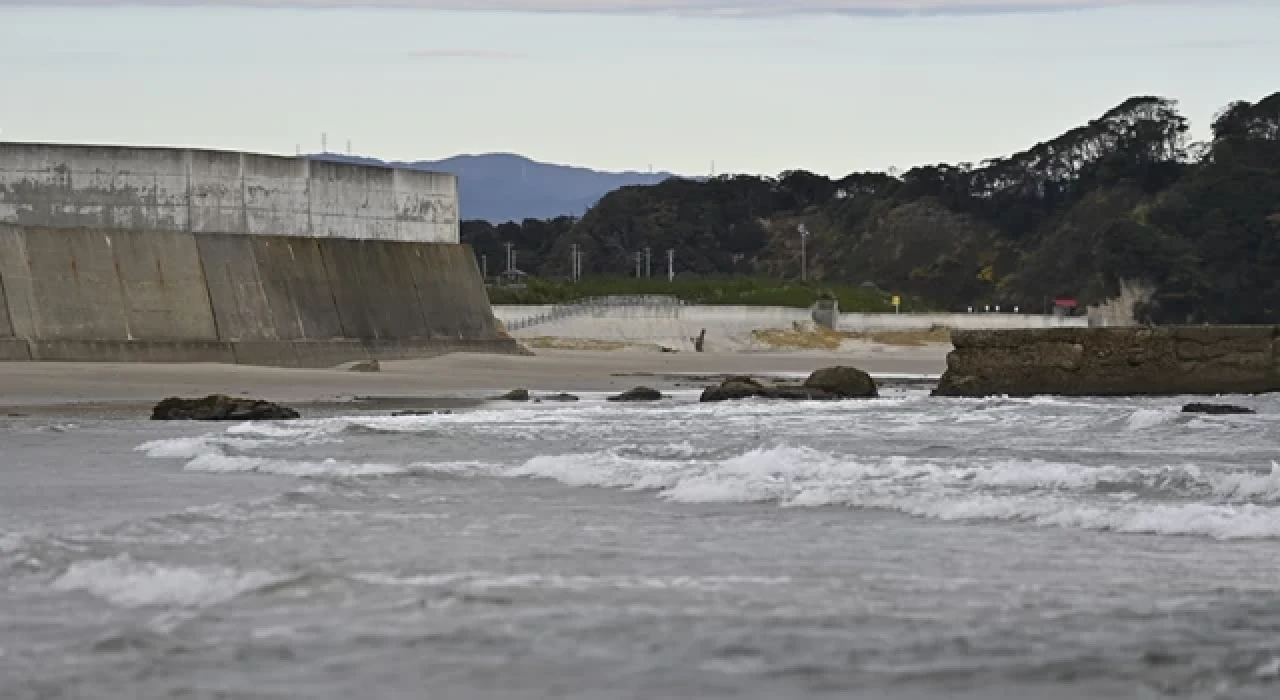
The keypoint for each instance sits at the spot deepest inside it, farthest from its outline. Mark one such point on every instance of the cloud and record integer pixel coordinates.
(742, 8)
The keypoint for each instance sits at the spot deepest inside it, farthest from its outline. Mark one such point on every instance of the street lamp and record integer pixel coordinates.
(804, 261)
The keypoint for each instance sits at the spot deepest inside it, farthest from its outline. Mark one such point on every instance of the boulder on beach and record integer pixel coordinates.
(732, 388)
(361, 366)
(640, 393)
(562, 397)
(843, 382)
(827, 384)
(515, 395)
(220, 407)
(1216, 409)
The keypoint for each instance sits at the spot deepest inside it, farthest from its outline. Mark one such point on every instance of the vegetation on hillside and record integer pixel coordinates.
(1124, 198)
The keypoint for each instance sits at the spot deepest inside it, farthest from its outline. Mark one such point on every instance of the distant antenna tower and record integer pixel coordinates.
(324, 143)
(297, 147)
(348, 146)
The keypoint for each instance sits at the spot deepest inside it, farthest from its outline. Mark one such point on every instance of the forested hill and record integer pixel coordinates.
(1124, 198)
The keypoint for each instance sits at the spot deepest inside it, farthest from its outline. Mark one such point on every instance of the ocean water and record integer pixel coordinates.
(907, 547)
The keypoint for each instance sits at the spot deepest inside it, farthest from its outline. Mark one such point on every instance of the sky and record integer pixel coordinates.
(688, 86)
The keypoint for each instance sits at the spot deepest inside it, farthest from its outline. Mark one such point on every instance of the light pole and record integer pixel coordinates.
(671, 265)
(638, 264)
(648, 262)
(510, 256)
(804, 257)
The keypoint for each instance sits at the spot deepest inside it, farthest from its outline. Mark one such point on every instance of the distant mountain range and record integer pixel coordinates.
(500, 187)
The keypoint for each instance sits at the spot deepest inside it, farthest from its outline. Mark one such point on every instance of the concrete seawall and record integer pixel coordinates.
(162, 296)
(199, 191)
(1167, 361)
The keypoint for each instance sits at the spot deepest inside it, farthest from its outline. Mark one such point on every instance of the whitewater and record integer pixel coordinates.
(904, 547)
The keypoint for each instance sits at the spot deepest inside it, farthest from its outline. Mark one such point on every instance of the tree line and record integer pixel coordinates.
(1126, 198)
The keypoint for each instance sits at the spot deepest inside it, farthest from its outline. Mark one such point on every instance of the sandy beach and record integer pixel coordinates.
(27, 387)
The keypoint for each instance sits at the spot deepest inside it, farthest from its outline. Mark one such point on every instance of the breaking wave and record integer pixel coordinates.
(1115, 465)
(1176, 500)
(128, 583)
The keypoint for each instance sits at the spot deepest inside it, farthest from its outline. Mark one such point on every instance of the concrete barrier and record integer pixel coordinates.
(871, 322)
(1166, 361)
(728, 327)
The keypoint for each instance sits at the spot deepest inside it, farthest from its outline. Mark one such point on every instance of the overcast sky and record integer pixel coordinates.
(826, 85)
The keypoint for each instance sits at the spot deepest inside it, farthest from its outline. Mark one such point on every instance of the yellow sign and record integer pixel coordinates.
(897, 300)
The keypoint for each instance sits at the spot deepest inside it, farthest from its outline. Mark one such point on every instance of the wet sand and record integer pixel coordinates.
(448, 381)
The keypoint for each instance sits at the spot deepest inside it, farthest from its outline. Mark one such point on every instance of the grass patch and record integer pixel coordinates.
(821, 338)
(548, 343)
(818, 338)
(907, 338)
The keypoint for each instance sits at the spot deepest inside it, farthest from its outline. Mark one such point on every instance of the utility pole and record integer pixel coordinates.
(637, 264)
(671, 265)
(575, 263)
(484, 267)
(324, 142)
(648, 262)
(511, 258)
(348, 146)
(804, 257)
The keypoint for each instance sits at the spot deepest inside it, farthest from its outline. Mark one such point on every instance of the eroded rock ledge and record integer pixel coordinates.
(1162, 361)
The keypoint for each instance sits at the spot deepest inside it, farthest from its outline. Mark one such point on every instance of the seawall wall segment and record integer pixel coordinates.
(198, 191)
(1160, 361)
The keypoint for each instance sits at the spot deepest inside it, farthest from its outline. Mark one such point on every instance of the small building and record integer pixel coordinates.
(1065, 306)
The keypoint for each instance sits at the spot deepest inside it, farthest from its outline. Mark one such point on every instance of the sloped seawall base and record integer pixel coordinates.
(152, 296)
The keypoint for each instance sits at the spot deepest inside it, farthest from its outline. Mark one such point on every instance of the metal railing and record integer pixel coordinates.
(592, 304)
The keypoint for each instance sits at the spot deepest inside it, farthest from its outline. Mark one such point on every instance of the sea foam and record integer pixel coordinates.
(128, 583)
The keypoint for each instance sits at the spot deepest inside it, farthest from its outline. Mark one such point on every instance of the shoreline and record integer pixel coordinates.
(453, 381)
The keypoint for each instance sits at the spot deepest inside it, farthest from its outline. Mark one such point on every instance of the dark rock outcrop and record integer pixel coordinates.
(640, 393)
(561, 397)
(827, 384)
(515, 395)
(732, 388)
(219, 407)
(843, 382)
(1160, 361)
(1216, 409)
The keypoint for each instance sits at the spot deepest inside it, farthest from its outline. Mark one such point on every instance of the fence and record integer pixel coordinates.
(583, 307)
